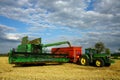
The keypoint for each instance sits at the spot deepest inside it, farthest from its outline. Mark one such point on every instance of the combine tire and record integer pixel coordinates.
(99, 62)
(84, 61)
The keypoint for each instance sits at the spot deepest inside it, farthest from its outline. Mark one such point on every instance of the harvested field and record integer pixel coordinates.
(67, 71)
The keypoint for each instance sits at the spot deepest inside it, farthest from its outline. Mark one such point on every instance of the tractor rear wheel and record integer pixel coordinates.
(83, 61)
(99, 62)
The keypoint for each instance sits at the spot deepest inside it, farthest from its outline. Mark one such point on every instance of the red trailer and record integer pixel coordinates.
(73, 52)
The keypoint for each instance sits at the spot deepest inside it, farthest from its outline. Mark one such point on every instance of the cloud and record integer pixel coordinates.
(101, 23)
(4, 30)
(5, 41)
(107, 6)
(36, 12)
(63, 12)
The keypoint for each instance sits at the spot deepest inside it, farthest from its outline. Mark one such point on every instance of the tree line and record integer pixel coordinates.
(3, 55)
(100, 47)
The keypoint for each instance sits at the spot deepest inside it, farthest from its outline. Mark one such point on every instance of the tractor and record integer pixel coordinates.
(91, 57)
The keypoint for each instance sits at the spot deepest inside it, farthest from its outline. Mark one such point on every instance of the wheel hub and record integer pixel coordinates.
(83, 61)
(98, 63)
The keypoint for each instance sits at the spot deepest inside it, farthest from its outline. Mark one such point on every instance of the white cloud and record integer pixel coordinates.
(5, 42)
(12, 36)
(107, 6)
(100, 24)
(4, 28)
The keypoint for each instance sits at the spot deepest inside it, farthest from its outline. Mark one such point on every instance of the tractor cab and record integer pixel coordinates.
(90, 51)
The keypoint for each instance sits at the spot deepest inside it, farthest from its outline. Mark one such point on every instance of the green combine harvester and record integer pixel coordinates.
(31, 52)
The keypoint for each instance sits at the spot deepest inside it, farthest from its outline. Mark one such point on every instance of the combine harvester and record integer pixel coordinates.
(32, 52)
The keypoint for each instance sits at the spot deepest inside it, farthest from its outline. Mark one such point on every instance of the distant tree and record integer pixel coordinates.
(107, 51)
(99, 46)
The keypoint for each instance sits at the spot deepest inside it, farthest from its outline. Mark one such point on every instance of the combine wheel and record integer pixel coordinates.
(99, 62)
(83, 60)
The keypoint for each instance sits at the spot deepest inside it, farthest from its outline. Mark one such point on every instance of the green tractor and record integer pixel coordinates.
(92, 57)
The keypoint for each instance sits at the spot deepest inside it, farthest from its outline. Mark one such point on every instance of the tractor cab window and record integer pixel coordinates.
(90, 51)
(93, 51)
(87, 51)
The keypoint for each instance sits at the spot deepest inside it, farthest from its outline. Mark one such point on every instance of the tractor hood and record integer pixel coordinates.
(102, 55)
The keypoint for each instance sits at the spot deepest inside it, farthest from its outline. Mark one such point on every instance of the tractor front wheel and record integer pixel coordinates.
(99, 62)
(83, 60)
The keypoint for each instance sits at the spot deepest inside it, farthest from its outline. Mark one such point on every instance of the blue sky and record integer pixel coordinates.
(20, 26)
(90, 5)
(82, 22)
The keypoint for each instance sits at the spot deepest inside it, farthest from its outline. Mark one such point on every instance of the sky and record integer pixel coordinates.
(82, 22)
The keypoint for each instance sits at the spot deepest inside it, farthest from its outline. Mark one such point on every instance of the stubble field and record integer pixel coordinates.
(66, 71)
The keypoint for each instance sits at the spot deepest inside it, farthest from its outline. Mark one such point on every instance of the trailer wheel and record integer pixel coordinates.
(99, 62)
(83, 61)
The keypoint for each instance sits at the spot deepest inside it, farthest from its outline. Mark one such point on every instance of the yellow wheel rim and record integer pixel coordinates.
(83, 61)
(98, 63)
